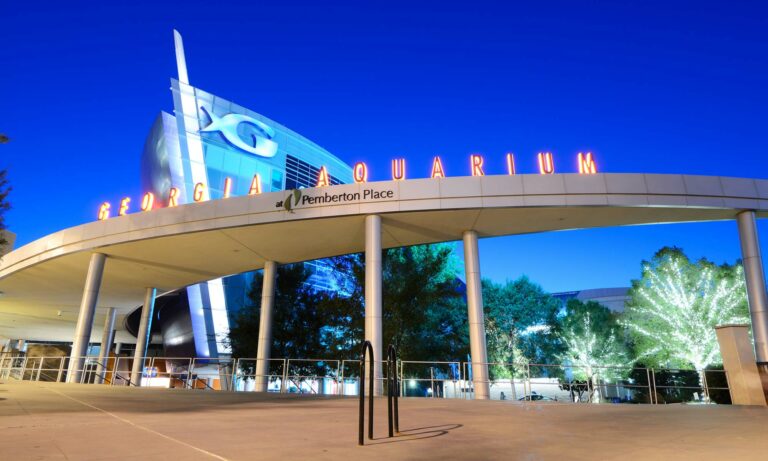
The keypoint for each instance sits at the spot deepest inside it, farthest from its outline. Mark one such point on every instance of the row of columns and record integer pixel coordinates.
(373, 312)
(84, 327)
(753, 271)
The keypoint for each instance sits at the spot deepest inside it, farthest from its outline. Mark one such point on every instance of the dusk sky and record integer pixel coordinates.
(648, 87)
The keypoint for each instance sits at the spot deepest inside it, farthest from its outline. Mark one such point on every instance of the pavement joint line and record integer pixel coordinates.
(138, 426)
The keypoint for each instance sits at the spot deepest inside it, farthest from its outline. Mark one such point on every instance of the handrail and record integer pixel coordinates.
(128, 380)
(532, 377)
(367, 347)
(393, 389)
(115, 375)
(195, 381)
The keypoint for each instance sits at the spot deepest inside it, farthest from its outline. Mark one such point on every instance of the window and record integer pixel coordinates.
(299, 173)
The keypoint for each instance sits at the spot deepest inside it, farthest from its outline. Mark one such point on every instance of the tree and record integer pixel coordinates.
(423, 309)
(424, 313)
(300, 324)
(676, 305)
(5, 189)
(518, 317)
(419, 286)
(592, 339)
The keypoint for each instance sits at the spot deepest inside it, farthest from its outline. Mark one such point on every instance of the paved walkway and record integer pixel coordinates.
(40, 421)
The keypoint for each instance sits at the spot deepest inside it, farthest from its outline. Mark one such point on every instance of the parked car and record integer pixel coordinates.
(534, 397)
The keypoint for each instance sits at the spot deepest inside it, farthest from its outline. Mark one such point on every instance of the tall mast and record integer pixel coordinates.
(181, 61)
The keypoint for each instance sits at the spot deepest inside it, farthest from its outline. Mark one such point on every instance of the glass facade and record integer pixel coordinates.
(207, 140)
(300, 174)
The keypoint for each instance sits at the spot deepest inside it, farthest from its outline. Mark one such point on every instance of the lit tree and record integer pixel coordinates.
(676, 305)
(593, 343)
(503, 351)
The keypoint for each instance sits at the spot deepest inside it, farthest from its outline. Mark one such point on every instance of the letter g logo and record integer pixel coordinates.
(261, 144)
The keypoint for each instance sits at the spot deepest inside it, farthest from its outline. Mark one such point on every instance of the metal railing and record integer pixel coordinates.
(431, 379)
(349, 376)
(515, 382)
(246, 375)
(600, 384)
(308, 376)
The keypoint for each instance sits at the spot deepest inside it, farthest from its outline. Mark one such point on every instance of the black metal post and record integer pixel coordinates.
(367, 347)
(371, 379)
(393, 389)
(389, 390)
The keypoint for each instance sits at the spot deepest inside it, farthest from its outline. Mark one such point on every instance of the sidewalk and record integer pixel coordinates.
(88, 422)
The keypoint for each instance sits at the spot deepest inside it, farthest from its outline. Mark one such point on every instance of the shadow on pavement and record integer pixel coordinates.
(417, 433)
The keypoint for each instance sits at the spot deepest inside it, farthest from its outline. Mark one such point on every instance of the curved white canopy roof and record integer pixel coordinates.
(173, 247)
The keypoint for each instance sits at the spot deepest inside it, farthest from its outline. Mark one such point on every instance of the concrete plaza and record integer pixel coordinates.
(78, 422)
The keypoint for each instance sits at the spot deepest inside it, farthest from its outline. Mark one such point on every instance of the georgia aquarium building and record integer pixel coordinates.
(233, 150)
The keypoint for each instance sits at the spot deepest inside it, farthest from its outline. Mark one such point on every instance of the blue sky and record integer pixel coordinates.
(667, 87)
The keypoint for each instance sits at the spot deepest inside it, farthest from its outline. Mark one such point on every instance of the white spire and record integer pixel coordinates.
(181, 61)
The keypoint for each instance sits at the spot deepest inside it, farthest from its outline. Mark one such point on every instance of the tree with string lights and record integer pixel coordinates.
(593, 345)
(676, 305)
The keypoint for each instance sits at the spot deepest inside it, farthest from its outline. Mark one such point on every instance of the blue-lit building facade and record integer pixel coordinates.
(207, 140)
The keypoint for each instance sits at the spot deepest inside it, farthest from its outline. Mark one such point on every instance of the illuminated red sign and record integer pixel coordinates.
(546, 164)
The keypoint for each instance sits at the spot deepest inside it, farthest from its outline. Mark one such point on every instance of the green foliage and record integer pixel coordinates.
(346, 308)
(5, 189)
(592, 338)
(300, 324)
(518, 316)
(423, 310)
(677, 303)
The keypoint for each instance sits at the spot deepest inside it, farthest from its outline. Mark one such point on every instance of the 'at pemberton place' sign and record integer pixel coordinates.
(546, 165)
(297, 197)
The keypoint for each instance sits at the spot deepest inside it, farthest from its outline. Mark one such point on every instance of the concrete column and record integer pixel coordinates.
(263, 353)
(755, 277)
(373, 329)
(85, 317)
(477, 345)
(142, 340)
(106, 343)
(118, 348)
(739, 363)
